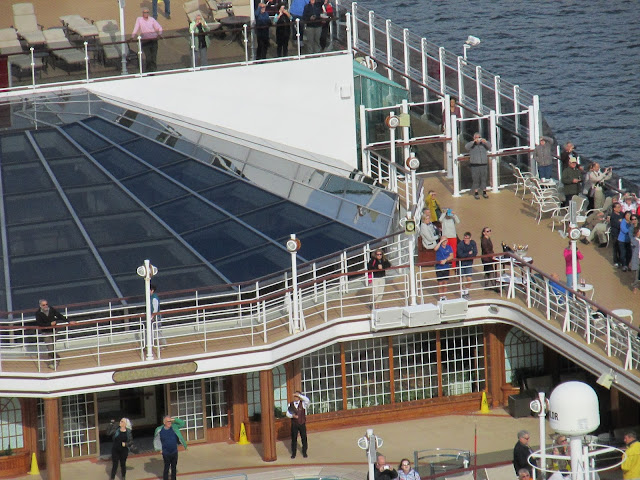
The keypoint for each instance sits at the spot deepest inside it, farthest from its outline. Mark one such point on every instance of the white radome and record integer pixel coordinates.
(574, 409)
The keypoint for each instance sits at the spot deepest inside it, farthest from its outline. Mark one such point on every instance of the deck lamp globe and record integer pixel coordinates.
(392, 121)
(412, 162)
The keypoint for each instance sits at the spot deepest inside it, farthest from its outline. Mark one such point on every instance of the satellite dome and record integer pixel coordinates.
(574, 409)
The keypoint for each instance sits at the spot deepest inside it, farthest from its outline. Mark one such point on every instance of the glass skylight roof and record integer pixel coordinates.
(85, 203)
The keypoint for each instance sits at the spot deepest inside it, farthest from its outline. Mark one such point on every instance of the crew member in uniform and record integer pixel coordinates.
(297, 412)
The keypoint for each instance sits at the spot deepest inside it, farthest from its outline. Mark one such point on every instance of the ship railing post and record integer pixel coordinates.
(494, 148)
(533, 140)
(298, 36)
(448, 133)
(407, 61)
(516, 111)
(479, 105)
(496, 94)
(86, 59)
(425, 72)
(537, 121)
(140, 55)
(406, 152)
(387, 31)
(372, 34)
(33, 67)
(246, 43)
(347, 33)
(364, 157)
(443, 78)
(193, 50)
(547, 300)
(454, 156)
(393, 181)
(354, 30)
(558, 162)
(460, 80)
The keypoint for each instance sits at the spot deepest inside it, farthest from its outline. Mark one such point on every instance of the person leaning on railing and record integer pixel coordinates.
(47, 317)
(149, 30)
(200, 29)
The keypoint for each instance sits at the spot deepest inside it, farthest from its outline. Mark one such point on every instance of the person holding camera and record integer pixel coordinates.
(478, 161)
(201, 40)
(382, 470)
(593, 182)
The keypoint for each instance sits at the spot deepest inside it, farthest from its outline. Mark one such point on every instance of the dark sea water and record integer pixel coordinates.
(581, 57)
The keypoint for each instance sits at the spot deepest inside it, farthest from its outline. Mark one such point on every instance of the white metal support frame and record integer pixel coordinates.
(372, 34)
(405, 44)
(495, 180)
(455, 169)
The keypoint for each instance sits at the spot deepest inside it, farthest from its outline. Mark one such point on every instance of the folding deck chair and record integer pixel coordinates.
(79, 26)
(61, 48)
(10, 46)
(25, 22)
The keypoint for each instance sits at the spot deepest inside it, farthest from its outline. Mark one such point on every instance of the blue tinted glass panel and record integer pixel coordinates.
(100, 200)
(86, 290)
(169, 280)
(188, 214)
(41, 207)
(239, 197)
(16, 148)
(118, 163)
(86, 139)
(76, 171)
(125, 228)
(113, 132)
(255, 263)
(197, 176)
(36, 238)
(25, 177)
(328, 239)
(318, 201)
(223, 239)
(166, 253)
(74, 266)
(283, 219)
(372, 223)
(152, 152)
(152, 188)
(52, 144)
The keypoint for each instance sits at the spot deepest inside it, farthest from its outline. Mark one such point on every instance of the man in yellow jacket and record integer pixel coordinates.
(631, 465)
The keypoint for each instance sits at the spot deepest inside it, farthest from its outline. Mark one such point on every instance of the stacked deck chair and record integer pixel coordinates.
(65, 54)
(79, 26)
(108, 38)
(20, 62)
(25, 22)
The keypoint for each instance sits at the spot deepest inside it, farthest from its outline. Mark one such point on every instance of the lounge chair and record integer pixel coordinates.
(192, 8)
(20, 62)
(79, 26)
(62, 49)
(108, 37)
(215, 13)
(25, 22)
(242, 8)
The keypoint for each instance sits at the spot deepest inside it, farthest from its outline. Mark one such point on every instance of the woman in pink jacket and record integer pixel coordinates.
(569, 266)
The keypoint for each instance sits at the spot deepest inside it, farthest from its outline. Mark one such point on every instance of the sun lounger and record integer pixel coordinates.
(24, 21)
(20, 62)
(216, 13)
(242, 8)
(61, 48)
(108, 37)
(79, 26)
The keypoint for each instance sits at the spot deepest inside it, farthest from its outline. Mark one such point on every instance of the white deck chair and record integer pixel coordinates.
(242, 8)
(108, 37)
(215, 13)
(10, 45)
(79, 26)
(61, 48)
(192, 8)
(25, 22)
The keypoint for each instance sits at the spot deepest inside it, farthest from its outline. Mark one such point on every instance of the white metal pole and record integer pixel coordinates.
(246, 43)
(460, 79)
(364, 158)
(448, 132)
(294, 284)
(298, 35)
(454, 157)
(347, 25)
(147, 297)
(123, 44)
(33, 68)
(574, 262)
(412, 267)
(406, 152)
(372, 34)
(193, 50)
(542, 415)
(425, 72)
(479, 89)
(371, 452)
(140, 53)
(387, 31)
(495, 181)
(465, 47)
(443, 78)
(86, 59)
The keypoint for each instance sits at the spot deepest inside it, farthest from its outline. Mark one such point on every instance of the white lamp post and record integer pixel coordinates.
(370, 443)
(470, 42)
(293, 245)
(147, 271)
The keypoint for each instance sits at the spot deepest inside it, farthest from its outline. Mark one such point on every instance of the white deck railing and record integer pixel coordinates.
(264, 313)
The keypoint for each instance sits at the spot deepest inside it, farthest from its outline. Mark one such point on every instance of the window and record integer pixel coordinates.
(462, 358)
(367, 371)
(523, 356)
(253, 395)
(415, 369)
(322, 380)
(11, 436)
(79, 425)
(280, 391)
(185, 402)
(216, 396)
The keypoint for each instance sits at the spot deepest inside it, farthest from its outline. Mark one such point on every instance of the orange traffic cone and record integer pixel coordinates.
(243, 436)
(34, 465)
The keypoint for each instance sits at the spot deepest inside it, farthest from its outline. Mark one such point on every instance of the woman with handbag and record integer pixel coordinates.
(122, 442)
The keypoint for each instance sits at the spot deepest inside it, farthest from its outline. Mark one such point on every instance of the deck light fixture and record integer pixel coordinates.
(470, 42)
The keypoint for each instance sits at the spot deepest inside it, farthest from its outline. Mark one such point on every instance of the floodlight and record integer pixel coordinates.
(473, 41)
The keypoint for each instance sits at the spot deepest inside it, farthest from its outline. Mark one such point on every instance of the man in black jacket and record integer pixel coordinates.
(382, 470)
(521, 453)
(47, 317)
